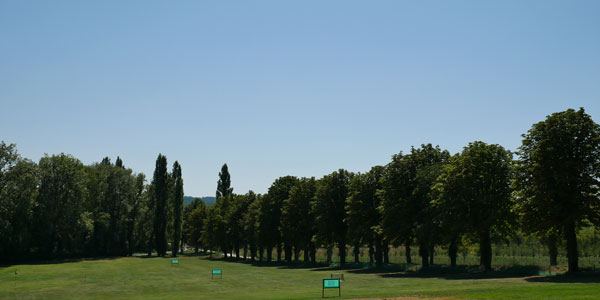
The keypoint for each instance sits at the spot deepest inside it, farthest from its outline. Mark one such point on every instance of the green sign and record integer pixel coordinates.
(174, 261)
(216, 272)
(331, 283)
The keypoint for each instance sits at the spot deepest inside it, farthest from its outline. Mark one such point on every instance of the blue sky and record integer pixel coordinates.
(286, 87)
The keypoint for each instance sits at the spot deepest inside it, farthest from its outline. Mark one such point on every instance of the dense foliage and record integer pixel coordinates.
(60, 207)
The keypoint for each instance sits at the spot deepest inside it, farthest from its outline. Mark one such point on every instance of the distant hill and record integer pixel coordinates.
(208, 200)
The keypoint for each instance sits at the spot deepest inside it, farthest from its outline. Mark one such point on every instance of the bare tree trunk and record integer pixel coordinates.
(407, 253)
(485, 250)
(553, 249)
(452, 251)
(572, 251)
(329, 253)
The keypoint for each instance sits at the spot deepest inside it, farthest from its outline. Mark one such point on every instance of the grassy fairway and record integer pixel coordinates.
(143, 278)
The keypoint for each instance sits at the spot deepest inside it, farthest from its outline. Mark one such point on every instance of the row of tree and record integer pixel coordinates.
(425, 198)
(62, 208)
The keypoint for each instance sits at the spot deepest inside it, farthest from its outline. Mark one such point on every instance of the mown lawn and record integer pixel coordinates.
(155, 278)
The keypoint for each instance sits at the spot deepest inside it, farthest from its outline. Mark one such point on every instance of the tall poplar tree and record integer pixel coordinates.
(160, 201)
(224, 188)
(177, 207)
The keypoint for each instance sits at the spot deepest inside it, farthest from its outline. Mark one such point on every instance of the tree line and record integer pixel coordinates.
(425, 198)
(422, 199)
(60, 208)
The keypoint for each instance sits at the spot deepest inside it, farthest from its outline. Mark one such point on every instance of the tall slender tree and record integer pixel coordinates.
(159, 183)
(177, 207)
(224, 188)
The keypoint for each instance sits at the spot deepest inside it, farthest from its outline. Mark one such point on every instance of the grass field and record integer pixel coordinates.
(155, 278)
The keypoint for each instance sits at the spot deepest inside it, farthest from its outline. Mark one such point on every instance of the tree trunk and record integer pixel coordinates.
(485, 250)
(237, 252)
(371, 253)
(424, 253)
(453, 251)
(378, 252)
(306, 255)
(313, 253)
(269, 254)
(287, 248)
(278, 252)
(357, 254)
(386, 252)
(572, 251)
(553, 249)
(296, 254)
(342, 250)
(245, 251)
(407, 253)
(431, 254)
(261, 252)
(329, 254)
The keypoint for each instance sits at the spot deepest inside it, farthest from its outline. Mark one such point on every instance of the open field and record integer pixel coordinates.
(153, 278)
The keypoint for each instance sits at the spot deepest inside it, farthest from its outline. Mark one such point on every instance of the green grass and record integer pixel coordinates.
(155, 278)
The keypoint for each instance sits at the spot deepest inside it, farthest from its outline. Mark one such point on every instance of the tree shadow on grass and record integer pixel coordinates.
(257, 263)
(449, 273)
(54, 261)
(584, 277)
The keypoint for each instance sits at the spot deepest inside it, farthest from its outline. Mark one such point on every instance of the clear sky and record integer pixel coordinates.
(286, 87)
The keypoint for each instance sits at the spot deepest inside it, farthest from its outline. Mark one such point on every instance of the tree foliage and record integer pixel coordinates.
(558, 175)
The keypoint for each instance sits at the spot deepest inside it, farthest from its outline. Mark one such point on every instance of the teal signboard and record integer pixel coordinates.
(331, 283)
(216, 272)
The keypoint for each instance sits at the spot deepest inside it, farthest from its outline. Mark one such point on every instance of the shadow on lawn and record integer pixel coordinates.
(53, 261)
(584, 277)
(464, 272)
(273, 264)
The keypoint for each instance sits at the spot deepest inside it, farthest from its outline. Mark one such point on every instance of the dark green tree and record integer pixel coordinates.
(558, 176)
(251, 226)
(396, 184)
(475, 188)
(19, 181)
(214, 230)
(134, 215)
(235, 221)
(363, 216)
(62, 226)
(278, 193)
(159, 183)
(297, 220)
(224, 188)
(330, 211)
(194, 215)
(177, 208)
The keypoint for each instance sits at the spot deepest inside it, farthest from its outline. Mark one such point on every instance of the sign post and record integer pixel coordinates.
(331, 283)
(216, 272)
(174, 261)
(338, 275)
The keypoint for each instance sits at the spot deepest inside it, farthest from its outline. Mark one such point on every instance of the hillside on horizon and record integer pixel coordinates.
(208, 200)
